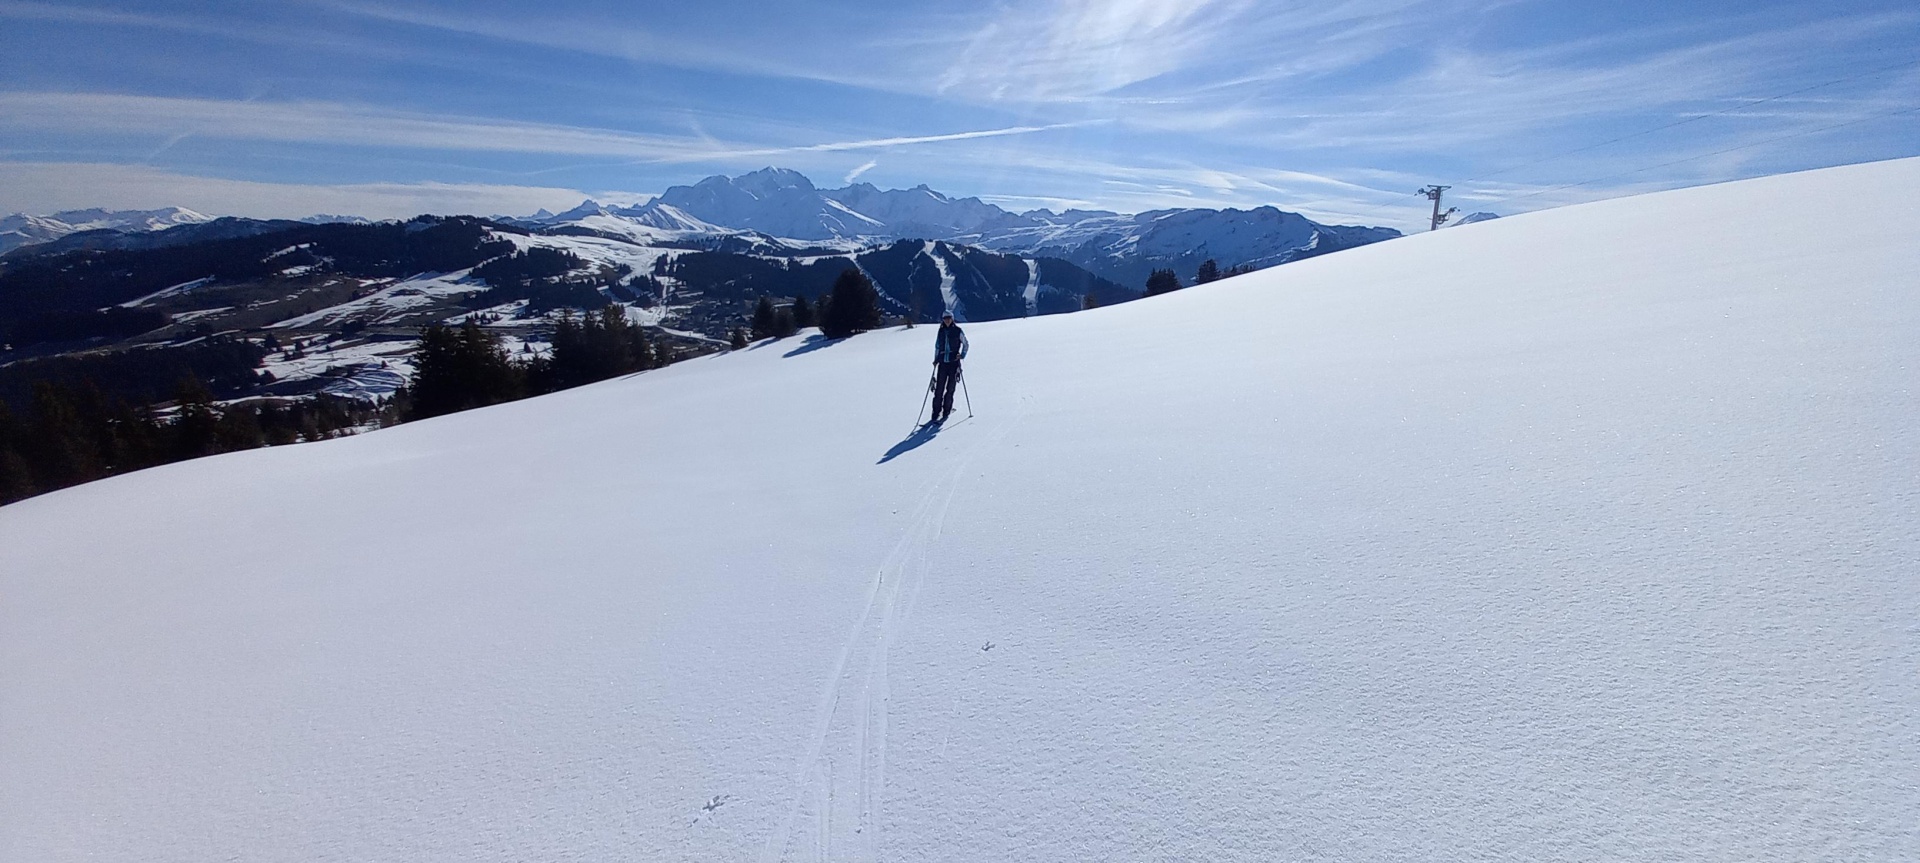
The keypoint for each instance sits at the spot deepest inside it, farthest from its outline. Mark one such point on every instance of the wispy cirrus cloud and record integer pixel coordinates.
(184, 23)
(862, 168)
(638, 39)
(1331, 107)
(338, 124)
(40, 187)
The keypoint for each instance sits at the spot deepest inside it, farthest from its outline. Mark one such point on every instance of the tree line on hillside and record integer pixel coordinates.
(1161, 281)
(76, 295)
(69, 420)
(852, 306)
(464, 367)
(225, 365)
(70, 433)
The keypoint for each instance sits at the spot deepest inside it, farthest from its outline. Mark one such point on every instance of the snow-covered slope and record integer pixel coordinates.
(1493, 544)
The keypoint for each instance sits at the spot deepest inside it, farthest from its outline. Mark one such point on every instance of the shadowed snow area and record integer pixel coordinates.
(1588, 534)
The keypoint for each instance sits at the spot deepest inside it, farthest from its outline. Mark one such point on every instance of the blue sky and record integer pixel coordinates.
(1335, 109)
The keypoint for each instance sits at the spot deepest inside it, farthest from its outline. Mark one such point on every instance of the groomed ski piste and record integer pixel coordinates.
(1591, 534)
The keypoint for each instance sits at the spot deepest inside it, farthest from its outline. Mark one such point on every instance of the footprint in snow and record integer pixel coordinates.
(986, 647)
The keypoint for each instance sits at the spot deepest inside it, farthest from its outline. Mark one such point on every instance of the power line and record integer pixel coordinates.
(1433, 194)
(1694, 119)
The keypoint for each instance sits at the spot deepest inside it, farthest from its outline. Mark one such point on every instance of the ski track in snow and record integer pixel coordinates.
(840, 780)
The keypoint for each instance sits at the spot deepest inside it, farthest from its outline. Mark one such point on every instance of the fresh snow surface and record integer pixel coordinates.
(1584, 535)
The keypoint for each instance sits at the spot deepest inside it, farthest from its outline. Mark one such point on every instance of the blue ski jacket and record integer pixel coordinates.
(949, 345)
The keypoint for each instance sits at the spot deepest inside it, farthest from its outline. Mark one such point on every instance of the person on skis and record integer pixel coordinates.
(949, 348)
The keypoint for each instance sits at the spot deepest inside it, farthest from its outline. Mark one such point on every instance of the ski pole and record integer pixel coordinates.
(927, 395)
(963, 391)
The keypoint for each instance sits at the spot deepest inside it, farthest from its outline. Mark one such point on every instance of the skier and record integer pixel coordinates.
(949, 348)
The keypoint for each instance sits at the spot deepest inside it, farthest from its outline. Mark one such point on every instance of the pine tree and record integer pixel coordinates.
(1162, 281)
(466, 368)
(16, 477)
(1209, 272)
(854, 306)
(196, 423)
(1089, 301)
(738, 338)
(763, 318)
(802, 313)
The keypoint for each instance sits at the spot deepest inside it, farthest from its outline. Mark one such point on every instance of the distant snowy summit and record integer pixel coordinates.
(21, 229)
(138, 229)
(783, 203)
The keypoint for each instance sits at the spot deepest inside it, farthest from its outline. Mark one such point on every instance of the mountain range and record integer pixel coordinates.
(782, 203)
(784, 208)
(691, 264)
(21, 229)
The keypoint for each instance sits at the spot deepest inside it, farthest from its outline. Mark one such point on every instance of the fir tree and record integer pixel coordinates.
(738, 338)
(196, 423)
(763, 318)
(802, 313)
(1089, 301)
(854, 306)
(459, 369)
(1209, 272)
(599, 346)
(1162, 281)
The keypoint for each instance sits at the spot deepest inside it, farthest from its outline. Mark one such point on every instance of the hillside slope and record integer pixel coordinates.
(1493, 543)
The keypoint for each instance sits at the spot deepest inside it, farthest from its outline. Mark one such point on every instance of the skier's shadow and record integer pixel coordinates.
(812, 343)
(920, 436)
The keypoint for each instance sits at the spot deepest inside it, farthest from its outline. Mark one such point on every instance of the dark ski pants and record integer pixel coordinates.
(946, 376)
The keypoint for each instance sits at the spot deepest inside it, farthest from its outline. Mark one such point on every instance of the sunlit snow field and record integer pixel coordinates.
(1588, 534)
